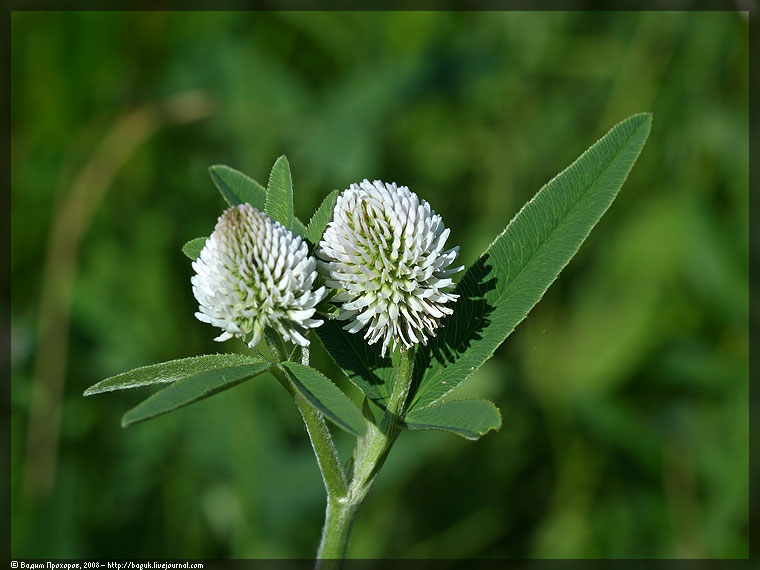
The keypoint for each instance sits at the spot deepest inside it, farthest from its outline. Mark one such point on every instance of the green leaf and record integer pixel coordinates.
(467, 418)
(362, 363)
(170, 371)
(192, 249)
(279, 201)
(326, 397)
(191, 389)
(497, 292)
(237, 188)
(298, 227)
(321, 218)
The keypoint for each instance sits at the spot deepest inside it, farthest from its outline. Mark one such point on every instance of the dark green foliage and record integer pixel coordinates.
(170, 371)
(327, 397)
(504, 284)
(467, 418)
(279, 202)
(237, 188)
(191, 389)
(362, 363)
(321, 218)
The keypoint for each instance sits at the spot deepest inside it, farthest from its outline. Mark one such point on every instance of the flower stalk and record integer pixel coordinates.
(370, 454)
(316, 427)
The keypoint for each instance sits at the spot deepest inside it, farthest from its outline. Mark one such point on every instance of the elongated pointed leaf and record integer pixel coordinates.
(237, 188)
(170, 371)
(362, 363)
(467, 418)
(512, 275)
(191, 389)
(279, 202)
(192, 249)
(326, 397)
(321, 218)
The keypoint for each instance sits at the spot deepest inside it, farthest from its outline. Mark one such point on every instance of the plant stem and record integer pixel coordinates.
(401, 385)
(370, 454)
(339, 518)
(324, 449)
(343, 499)
(319, 435)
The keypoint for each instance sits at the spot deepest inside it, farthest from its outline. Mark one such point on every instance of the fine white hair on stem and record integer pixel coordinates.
(253, 274)
(383, 253)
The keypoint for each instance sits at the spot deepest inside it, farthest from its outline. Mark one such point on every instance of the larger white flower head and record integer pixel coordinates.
(253, 273)
(383, 253)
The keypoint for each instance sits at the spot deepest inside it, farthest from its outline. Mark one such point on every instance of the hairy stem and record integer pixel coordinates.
(319, 435)
(339, 518)
(371, 451)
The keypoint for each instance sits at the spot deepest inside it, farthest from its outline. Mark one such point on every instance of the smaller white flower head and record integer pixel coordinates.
(253, 273)
(384, 253)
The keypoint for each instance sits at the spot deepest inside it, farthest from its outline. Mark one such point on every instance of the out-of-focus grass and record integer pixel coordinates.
(624, 394)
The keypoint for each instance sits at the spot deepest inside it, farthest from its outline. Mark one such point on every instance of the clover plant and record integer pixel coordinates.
(371, 279)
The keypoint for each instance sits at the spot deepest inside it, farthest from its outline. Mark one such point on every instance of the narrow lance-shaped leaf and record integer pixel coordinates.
(512, 275)
(326, 397)
(321, 218)
(191, 389)
(170, 371)
(192, 249)
(467, 418)
(237, 188)
(279, 202)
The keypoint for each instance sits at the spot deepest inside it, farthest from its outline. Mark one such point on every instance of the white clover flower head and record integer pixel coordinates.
(253, 273)
(383, 252)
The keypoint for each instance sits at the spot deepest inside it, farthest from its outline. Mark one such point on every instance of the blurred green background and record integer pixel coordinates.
(624, 394)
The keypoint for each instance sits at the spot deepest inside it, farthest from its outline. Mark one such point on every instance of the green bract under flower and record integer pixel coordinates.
(252, 274)
(383, 253)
